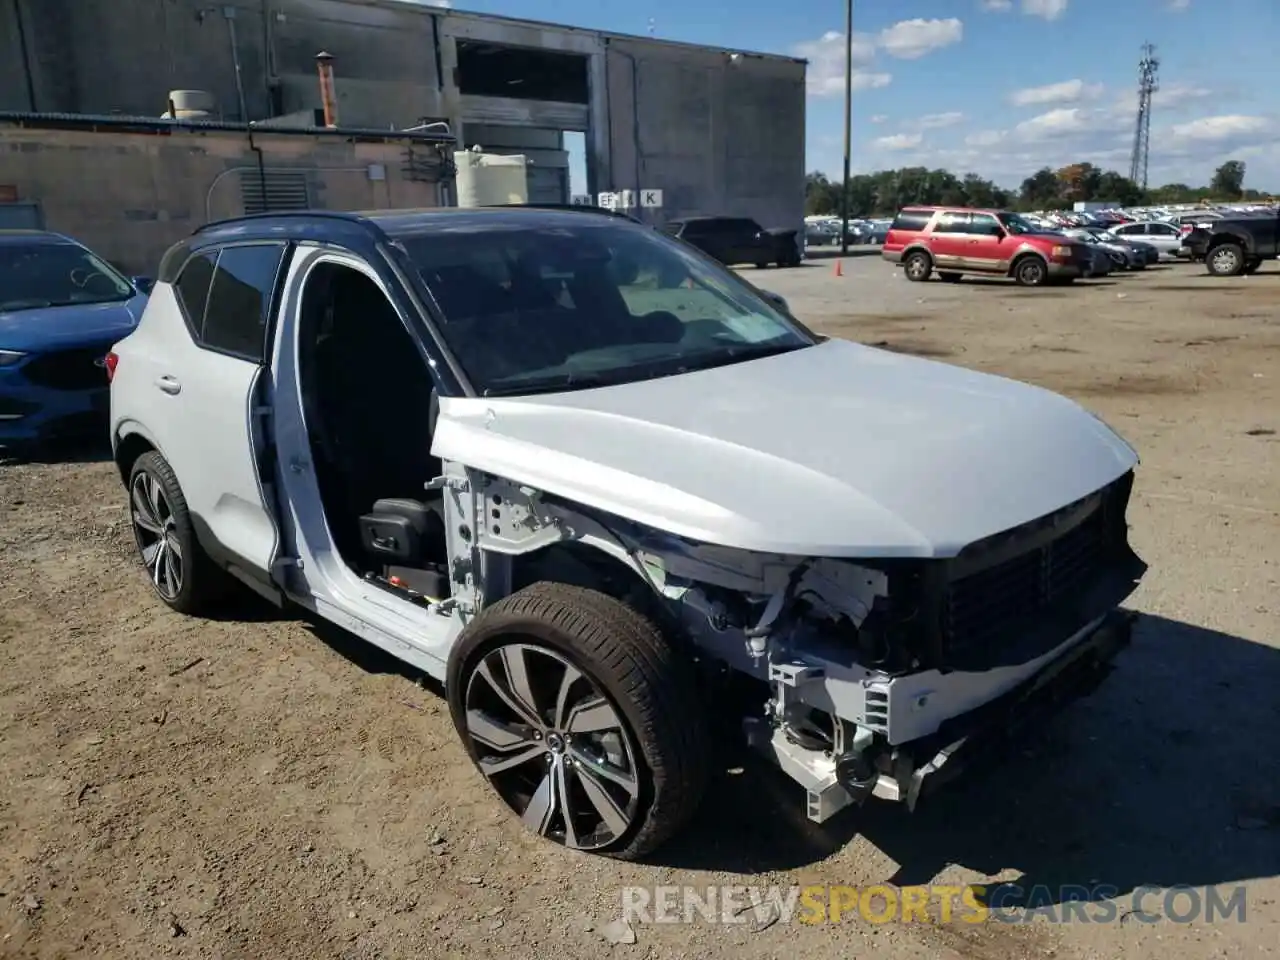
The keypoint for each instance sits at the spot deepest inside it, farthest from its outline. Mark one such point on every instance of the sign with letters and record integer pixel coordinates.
(651, 198)
(607, 200)
(582, 200)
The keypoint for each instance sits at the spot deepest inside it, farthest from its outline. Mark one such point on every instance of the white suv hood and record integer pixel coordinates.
(834, 450)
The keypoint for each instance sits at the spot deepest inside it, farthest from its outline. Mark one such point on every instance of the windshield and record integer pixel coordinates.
(1018, 225)
(56, 275)
(561, 307)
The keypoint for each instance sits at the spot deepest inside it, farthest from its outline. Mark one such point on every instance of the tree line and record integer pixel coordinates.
(885, 192)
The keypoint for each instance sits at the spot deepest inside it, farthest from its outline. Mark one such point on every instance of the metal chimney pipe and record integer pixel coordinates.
(328, 100)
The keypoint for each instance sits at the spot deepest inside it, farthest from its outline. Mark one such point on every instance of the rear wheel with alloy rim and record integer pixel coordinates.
(180, 572)
(581, 717)
(917, 266)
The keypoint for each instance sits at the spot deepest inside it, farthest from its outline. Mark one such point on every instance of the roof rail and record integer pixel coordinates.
(276, 215)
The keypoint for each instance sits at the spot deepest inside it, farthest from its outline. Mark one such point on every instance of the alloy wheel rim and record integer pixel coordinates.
(916, 267)
(157, 535)
(1032, 271)
(553, 746)
(1224, 260)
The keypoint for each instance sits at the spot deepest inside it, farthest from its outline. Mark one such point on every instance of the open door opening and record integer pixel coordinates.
(370, 407)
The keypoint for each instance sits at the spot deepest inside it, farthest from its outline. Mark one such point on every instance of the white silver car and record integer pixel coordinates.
(604, 490)
(1165, 237)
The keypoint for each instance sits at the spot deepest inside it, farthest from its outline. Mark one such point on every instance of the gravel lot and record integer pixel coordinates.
(258, 787)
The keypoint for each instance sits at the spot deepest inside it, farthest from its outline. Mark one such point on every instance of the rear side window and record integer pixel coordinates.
(912, 220)
(952, 223)
(192, 287)
(226, 296)
(235, 320)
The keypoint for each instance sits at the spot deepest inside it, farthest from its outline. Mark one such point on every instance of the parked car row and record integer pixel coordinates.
(954, 241)
(826, 231)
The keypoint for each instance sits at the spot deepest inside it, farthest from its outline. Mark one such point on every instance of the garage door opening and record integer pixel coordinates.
(521, 73)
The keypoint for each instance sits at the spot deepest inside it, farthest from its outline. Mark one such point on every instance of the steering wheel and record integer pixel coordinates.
(84, 277)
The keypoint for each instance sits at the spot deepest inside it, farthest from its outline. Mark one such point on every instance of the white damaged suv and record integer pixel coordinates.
(605, 491)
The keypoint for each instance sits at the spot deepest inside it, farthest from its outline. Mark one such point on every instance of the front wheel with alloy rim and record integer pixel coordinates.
(1226, 260)
(582, 718)
(180, 572)
(917, 266)
(1031, 272)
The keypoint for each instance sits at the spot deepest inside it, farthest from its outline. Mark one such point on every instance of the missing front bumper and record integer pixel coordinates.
(985, 736)
(982, 736)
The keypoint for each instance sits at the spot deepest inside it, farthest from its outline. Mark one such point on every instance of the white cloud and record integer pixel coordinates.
(936, 121)
(899, 141)
(986, 138)
(825, 74)
(1177, 5)
(1055, 123)
(1048, 9)
(906, 40)
(1068, 91)
(879, 118)
(912, 39)
(1223, 128)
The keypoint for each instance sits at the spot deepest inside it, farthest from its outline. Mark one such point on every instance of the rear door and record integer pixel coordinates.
(216, 385)
(1165, 237)
(950, 242)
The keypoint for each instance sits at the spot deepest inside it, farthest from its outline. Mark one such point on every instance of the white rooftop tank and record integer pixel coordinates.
(487, 179)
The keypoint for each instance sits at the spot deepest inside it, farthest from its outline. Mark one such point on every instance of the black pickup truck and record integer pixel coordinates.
(738, 240)
(1236, 245)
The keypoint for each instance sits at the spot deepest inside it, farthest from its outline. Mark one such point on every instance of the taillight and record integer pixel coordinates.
(111, 360)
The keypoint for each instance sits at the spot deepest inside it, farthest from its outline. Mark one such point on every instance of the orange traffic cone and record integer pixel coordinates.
(839, 268)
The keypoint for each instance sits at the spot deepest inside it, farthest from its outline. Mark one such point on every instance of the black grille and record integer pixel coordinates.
(81, 368)
(986, 609)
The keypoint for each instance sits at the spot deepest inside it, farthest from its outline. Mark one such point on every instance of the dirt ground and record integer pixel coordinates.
(256, 787)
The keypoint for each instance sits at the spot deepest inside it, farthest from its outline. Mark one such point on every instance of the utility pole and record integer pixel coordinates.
(848, 115)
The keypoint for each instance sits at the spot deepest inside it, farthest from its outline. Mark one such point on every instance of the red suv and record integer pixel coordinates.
(955, 241)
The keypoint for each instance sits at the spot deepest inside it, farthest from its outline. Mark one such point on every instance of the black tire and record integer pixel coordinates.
(625, 656)
(202, 583)
(1251, 266)
(1225, 260)
(1031, 271)
(949, 277)
(917, 265)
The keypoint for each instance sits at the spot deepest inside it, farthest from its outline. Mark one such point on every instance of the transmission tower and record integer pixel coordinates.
(1148, 71)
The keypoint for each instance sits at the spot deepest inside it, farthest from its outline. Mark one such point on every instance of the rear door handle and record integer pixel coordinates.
(168, 384)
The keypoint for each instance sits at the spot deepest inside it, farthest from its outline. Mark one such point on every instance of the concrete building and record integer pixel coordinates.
(718, 131)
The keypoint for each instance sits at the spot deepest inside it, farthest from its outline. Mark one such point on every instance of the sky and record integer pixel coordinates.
(998, 87)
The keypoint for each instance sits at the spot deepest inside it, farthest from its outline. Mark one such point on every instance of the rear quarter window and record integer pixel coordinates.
(912, 220)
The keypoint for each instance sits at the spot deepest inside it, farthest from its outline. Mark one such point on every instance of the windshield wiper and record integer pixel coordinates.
(32, 304)
(557, 383)
(748, 351)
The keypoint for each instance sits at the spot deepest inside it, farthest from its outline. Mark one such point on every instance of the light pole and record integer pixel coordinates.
(848, 111)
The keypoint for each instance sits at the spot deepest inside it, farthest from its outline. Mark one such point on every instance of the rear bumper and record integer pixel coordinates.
(985, 736)
(893, 256)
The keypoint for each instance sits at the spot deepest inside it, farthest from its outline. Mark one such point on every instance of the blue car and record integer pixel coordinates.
(61, 309)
